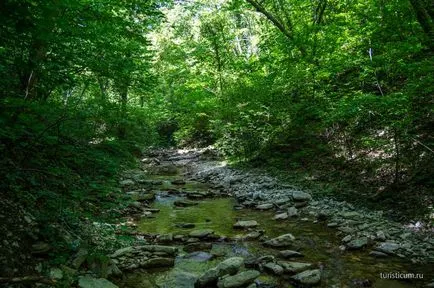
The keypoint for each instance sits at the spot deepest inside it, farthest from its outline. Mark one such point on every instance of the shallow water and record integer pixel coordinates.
(316, 241)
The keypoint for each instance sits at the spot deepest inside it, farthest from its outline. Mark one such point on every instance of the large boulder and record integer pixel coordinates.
(281, 241)
(241, 279)
(388, 247)
(357, 243)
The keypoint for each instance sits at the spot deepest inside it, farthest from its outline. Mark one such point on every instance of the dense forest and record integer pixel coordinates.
(335, 97)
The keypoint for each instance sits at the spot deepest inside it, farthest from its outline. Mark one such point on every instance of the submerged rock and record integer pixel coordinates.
(281, 241)
(197, 246)
(239, 280)
(309, 277)
(184, 203)
(185, 225)
(158, 263)
(292, 212)
(178, 182)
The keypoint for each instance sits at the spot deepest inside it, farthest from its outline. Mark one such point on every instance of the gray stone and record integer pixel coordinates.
(56, 273)
(294, 267)
(281, 216)
(292, 212)
(332, 225)
(309, 277)
(240, 280)
(388, 247)
(229, 266)
(378, 254)
(201, 233)
(301, 196)
(79, 258)
(358, 243)
(122, 252)
(290, 254)
(90, 282)
(281, 241)
(242, 224)
(185, 225)
(347, 238)
(266, 206)
(274, 268)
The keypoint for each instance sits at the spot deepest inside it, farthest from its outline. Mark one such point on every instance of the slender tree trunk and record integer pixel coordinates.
(123, 103)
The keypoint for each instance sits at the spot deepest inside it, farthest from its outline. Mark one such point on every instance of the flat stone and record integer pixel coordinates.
(332, 225)
(308, 277)
(201, 233)
(242, 224)
(127, 182)
(347, 238)
(281, 241)
(122, 252)
(294, 267)
(281, 216)
(40, 248)
(239, 280)
(290, 254)
(266, 206)
(90, 282)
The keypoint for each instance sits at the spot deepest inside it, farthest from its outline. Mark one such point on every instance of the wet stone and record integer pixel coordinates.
(290, 254)
(243, 224)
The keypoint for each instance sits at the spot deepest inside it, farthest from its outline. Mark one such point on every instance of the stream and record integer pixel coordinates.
(317, 242)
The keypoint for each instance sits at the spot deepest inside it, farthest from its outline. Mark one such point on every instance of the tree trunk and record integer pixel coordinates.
(424, 15)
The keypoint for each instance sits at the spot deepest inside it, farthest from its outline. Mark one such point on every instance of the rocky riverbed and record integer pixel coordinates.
(273, 234)
(196, 222)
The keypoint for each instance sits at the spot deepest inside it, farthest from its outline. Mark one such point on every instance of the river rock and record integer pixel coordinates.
(357, 243)
(243, 224)
(274, 268)
(388, 247)
(266, 206)
(301, 196)
(201, 233)
(290, 254)
(308, 277)
(90, 282)
(40, 248)
(281, 216)
(292, 212)
(229, 266)
(241, 279)
(378, 254)
(127, 182)
(281, 241)
(294, 267)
